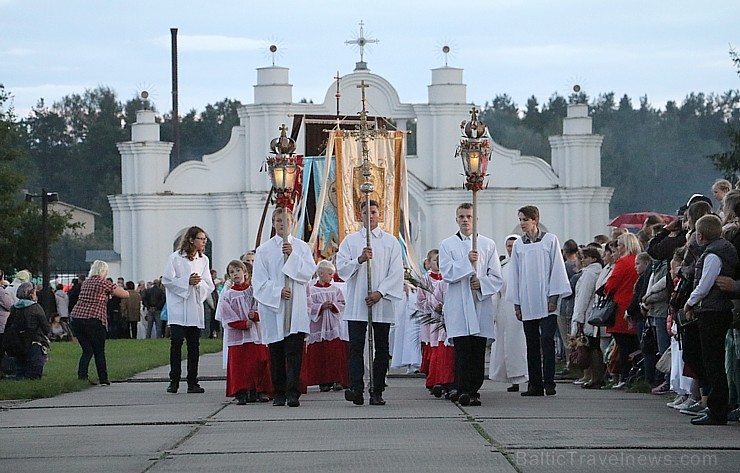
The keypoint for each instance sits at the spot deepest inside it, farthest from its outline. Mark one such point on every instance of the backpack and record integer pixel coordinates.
(17, 336)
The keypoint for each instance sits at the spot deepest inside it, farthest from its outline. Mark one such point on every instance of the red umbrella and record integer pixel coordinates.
(636, 219)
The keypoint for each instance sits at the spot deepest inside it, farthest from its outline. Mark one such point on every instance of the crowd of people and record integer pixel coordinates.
(660, 306)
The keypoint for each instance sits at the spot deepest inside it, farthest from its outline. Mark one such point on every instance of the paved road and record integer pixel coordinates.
(136, 427)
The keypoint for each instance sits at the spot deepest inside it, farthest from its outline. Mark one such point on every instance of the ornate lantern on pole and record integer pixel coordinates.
(475, 151)
(285, 170)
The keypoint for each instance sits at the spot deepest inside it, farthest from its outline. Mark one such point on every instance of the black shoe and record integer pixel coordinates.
(453, 395)
(279, 400)
(376, 399)
(325, 388)
(514, 388)
(354, 397)
(437, 390)
(293, 401)
(707, 420)
(475, 401)
(173, 387)
(532, 392)
(338, 387)
(550, 391)
(105, 383)
(195, 389)
(241, 398)
(262, 397)
(464, 399)
(251, 396)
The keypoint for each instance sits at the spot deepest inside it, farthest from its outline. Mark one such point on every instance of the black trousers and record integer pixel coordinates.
(91, 335)
(381, 358)
(286, 357)
(713, 327)
(540, 339)
(470, 361)
(178, 333)
(628, 344)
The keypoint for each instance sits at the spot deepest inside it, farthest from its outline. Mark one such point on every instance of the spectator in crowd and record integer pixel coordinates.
(620, 286)
(30, 338)
(60, 331)
(131, 311)
(719, 189)
(62, 302)
(585, 292)
(74, 291)
(153, 300)
(20, 278)
(90, 321)
(6, 302)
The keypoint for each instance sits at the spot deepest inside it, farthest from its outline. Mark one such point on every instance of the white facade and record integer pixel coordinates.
(225, 194)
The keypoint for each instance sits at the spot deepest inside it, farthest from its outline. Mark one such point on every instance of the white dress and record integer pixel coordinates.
(467, 313)
(268, 280)
(509, 350)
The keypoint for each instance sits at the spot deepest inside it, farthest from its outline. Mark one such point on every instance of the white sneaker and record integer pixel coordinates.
(620, 385)
(579, 382)
(687, 403)
(680, 398)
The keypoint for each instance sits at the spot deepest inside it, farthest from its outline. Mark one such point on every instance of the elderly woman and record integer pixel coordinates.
(591, 265)
(89, 320)
(620, 286)
(27, 316)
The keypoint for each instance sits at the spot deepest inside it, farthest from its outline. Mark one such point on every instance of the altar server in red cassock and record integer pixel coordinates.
(325, 360)
(248, 369)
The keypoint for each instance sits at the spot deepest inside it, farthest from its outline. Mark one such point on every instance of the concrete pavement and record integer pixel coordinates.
(135, 426)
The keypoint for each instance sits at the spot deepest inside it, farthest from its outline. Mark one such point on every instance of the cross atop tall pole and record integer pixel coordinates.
(361, 41)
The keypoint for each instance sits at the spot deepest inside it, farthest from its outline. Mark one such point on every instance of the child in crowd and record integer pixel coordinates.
(712, 310)
(248, 369)
(60, 331)
(680, 384)
(326, 357)
(441, 376)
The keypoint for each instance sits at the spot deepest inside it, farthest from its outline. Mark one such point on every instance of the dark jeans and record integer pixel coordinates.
(286, 357)
(178, 333)
(152, 320)
(357, 331)
(628, 344)
(91, 335)
(31, 364)
(713, 328)
(470, 360)
(540, 338)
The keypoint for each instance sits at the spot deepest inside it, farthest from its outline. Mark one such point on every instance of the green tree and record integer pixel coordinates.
(20, 232)
(728, 162)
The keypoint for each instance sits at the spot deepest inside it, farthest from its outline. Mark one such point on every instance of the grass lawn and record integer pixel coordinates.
(125, 358)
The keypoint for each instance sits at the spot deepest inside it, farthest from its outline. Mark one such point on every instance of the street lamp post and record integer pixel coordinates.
(46, 293)
(475, 151)
(285, 173)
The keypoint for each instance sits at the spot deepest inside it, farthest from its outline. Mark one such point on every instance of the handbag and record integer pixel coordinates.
(681, 319)
(648, 342)
(664, 364)
(604, 312)
(580, 354)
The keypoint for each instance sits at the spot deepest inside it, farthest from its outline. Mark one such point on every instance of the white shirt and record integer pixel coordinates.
(268, 280)
(469, 312)
(387, 275)
(185, 301)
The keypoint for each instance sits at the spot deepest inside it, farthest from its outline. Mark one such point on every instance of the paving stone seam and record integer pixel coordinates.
(624, 447)
(164, 453)
(106, 424)
(498, 447)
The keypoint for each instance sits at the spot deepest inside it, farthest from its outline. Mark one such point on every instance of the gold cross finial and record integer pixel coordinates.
(474, 115)
(283, 130)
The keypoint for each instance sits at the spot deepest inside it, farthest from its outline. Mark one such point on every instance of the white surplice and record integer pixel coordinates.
(406, 343)
(509, 350)
(184, 300)
(268, 280)
(387, 275)
(537, 272)
(427, 301)
(326, 324)
(469, 312)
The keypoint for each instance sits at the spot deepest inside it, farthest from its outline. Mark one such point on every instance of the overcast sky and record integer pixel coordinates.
(662, 49)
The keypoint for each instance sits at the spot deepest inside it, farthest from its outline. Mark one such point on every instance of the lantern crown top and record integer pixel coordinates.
(473, 129)
(283, 144)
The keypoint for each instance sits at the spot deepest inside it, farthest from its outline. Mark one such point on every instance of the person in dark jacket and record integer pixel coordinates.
(28, 315)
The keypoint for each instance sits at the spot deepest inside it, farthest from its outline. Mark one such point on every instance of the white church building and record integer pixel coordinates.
(224, 193)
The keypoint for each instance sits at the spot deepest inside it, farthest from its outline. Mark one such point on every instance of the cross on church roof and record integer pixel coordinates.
(361, 41)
